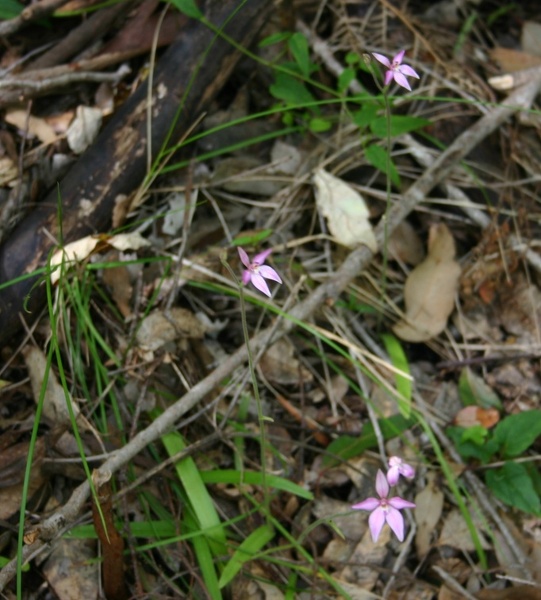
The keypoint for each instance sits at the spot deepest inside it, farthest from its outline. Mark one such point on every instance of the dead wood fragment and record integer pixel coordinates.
(116, 164)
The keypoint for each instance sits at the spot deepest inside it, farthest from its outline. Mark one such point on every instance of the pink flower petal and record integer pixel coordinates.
(260, 284)
(392, 475)
(269, 273)
(389, 76)
(401, 80)
(382, 59)
(368, 504)
(376, 521)
(399, 503)
(396, 522)
(244, 258)
(382, 487)
(260, 258)
(397, 58)
(246, 277)
(407, 70)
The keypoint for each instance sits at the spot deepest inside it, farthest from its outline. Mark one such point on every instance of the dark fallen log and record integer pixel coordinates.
(115, 164)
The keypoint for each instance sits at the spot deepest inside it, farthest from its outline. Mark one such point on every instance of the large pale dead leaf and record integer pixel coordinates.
(345, 211)
(83, 248)
(428, 508)
(280, 365)
(84, 128)
(55, 407)
(159, 328)
(34, 125)
(429, 293)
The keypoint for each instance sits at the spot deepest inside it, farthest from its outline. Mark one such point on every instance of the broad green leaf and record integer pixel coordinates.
(346, 446)
(290, 90)
(377, 156)
(474, 391)
(403, 382)
(512, 485)
(398, 126)
(518, 432)
(476, 434)
(345, 78)
(197, 494)
(469, 448)
(247, 550)
(317, 125)
(204, 556)
(10, 9)
(298, 46)
(188, 7)
(232, 476)
(363, 117)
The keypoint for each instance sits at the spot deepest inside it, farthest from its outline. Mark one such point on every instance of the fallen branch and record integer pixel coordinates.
(30, 13)
(356, 261)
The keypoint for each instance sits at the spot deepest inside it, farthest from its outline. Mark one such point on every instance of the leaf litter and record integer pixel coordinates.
(469, 329)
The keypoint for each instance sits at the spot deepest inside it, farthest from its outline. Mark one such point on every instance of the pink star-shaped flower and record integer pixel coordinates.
(398, 467)
(256, 271)
(396, 70)
(384, 510)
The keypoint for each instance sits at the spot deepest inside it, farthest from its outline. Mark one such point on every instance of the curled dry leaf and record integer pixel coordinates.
(83, 248)
(159, 328)
(430, 289)
(469, 416)
(84, 128)
(345, 210)
(279, 365)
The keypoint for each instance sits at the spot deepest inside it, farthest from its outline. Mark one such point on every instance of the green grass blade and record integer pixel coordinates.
(249, 548)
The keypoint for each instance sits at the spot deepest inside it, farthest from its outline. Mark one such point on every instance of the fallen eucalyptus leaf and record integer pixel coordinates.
(345, 211)
(429, 293)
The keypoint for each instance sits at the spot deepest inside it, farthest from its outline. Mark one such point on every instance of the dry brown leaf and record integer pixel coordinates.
(469, 416)
(84, 128)
(514, 60)
(55, 407)
(119, 280)
(159, 328)
(430, 289)
(428, 509)
(83, 248)
(406, 245)
(70, 570)
(520, 592)
(455, 532)
(34, 125)
(345, 210)
(279, 365)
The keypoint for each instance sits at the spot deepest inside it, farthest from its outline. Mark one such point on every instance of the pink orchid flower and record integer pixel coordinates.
(384, 510)
(396, 70)
(256, 271)
(398, 467)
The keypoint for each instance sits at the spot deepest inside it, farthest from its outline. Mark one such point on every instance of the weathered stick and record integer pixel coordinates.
(352, 266)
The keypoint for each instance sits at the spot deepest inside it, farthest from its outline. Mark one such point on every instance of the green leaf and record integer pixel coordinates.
(474, 391)
(399, 125)
(231, 476)
(197, 494)
(274, 38)
(476, 434)
(346, 446)
(403, 382)
(468, 446)
(188, 7)
(345, 78)
(518, 432)
(317, 125)
(363, 117)
(512, 485)
(253, 239)
(378, 157)
(298, 46)
(290, 90)
(247, 551)
(10, 9)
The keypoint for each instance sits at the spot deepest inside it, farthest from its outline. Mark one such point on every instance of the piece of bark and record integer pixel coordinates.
(115, 164)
